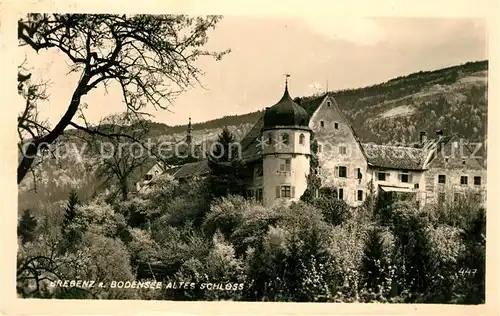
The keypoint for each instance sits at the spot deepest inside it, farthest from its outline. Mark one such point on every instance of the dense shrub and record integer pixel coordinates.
(315, 250)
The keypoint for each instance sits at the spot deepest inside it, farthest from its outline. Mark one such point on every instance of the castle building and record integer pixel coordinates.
(439, 170)
(277, 150)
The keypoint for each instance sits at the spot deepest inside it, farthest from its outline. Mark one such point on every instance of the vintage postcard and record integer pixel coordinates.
(260, 158)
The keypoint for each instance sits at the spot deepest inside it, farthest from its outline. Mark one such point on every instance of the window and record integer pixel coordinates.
(285, 138)
(341, 194)
(464, 180)
(319, 148)
(258, 195)
(477, 180)
(302, 139)
(249, 193)
(358, 173)
(270, 139)
(405, 177)
(457, 197)
(416, 186)
(322, 123)
(336, 125)
(284, 191)
(382, 176)
(328, 103)
(343, 150)
(442, 178)
(149, 177)
(285, 164)
(342, 172)
(360, 195)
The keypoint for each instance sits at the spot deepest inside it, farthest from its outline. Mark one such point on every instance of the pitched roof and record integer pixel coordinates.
(249, 144)
(198, 168)
(313, 104)
(394, 157)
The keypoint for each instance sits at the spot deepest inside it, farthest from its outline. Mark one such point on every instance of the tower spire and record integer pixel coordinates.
(189, 129)
(286, 80)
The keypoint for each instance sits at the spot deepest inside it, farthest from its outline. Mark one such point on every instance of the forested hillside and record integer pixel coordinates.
(453, 99)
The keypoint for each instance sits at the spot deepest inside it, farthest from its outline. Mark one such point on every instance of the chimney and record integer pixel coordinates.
(423, 137)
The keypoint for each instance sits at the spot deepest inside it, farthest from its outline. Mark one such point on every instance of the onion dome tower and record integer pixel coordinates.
(286, 151)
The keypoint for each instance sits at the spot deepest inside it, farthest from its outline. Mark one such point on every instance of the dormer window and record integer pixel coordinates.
(336, 125)
(322, 124)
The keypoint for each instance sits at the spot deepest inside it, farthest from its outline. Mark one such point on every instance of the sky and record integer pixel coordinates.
(341, 52)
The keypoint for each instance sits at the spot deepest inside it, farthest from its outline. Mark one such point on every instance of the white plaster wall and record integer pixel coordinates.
(297, 177)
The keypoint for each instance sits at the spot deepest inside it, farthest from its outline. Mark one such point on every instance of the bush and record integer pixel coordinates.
(225, 215)
(334, 211)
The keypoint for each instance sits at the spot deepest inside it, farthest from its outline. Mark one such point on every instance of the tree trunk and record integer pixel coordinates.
(33, 147)
(124, 189)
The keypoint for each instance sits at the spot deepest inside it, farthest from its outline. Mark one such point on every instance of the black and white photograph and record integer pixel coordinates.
(250, 158)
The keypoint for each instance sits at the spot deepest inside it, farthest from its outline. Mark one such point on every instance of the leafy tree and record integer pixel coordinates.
(334, 211)
(72, 234)
(374, 260)
(473, 261)
(151, 58)
(313, 180)
(26, 228)
(413, 247)
(225, 215)
(285, 264)
(71, 210)
(228, 172)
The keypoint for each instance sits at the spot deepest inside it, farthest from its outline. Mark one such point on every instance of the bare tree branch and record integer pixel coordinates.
(152, 57)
